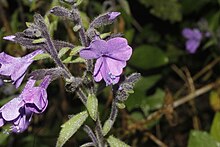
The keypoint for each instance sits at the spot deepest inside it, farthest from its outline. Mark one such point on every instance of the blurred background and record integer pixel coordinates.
(176, 103)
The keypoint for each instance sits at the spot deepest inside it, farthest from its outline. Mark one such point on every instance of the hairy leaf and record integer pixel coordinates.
(70, 127)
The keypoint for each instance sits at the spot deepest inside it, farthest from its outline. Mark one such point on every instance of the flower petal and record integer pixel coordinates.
(46, 81)
(29, 57)
(97, 73)
(99, 46)
(22, 123)
(2, 122)
(192, 45)
(106, 73)
(187, 33)
(87, 53)
(19, 81)
(118, 48)
(35, 99)
(98, 77)
(197, 34)
(10, 110)
(115, 66)
(98, 65)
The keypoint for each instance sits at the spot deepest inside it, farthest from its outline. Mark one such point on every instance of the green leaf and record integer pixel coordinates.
(46, 20)
(214, 100)
(92, 106)
(114, 142)
(74, 60)
(75, 50)
(4, 135)
(40, 40)
(76, 28)
(140, 88)
(70, 127)
(41, 56)
(215, 128)
(85, 19)
(201, 139)
(209, 43)
(129, 35)
(164, 9)
(104, 35)
(188, 7)
(78, 2)
(153, 102)
(146, 57)
(107, 127)
(63, 51)
(214, 21)
(120, 105)
(28, 24)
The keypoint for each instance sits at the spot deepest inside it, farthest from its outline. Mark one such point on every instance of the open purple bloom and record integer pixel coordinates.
(19, 110)
(194, 37)
(15, 67)
(111, 58)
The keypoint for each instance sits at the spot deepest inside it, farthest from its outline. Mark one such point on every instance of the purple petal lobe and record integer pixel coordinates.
(115, 66)
(88, 54)
(98, 77)
(192, 45)
(187, 33)
(1, 122)
(197, 34)
(10, 110)
(98, 65)
(46, 81)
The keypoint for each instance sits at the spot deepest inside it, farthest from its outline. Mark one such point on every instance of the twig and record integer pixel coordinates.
(156, 140)
(157, 114)
(196, 76)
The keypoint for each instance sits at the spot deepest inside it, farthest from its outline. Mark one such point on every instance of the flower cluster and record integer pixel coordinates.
(111, 54)
(32, 100)
(19, 110)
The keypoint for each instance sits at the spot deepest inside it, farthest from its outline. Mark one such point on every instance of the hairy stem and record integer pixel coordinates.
(89, 131)
(81, 95)
(56, 59)
(82, 35)
(98, 132)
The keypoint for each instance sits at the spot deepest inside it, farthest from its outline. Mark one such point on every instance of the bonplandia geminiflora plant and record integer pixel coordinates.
(110, 55)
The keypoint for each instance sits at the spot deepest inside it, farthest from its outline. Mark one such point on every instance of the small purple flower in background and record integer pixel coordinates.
(194, 37)
(19, 110)
(111, 58)
(15, 67)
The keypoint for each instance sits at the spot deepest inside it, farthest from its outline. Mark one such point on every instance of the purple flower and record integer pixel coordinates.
(111, 58)
(19, 110)
(15, 67)
(194, 37)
